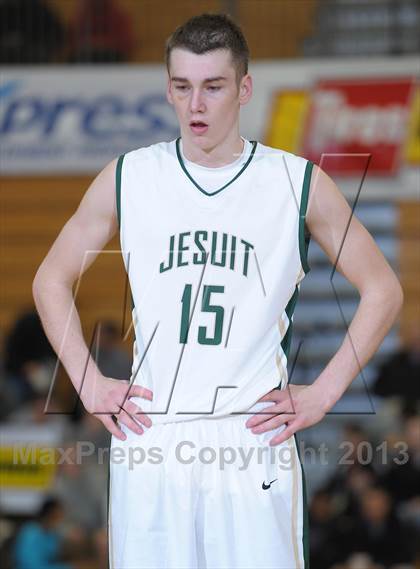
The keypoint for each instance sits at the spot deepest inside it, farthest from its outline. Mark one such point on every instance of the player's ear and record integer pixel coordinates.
(169, 91)
(245, 89)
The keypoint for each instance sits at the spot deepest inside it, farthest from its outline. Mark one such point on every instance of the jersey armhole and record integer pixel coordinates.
(118, 187)
(304, 234)
(118, 200)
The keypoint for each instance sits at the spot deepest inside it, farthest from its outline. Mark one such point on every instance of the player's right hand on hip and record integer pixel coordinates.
(110, 397)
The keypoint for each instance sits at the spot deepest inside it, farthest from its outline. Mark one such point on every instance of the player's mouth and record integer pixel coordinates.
(198, 127)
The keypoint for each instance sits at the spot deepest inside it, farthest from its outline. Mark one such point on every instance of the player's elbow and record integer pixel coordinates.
(38, 284)
(42, 276)
(398, 296)
(45, 278)
(385, 293)
(393, 296)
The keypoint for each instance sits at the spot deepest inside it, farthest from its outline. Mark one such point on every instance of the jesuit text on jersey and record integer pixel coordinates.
(225, 250)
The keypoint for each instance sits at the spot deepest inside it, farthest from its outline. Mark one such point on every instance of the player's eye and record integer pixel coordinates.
(181, 87)
(213, 88)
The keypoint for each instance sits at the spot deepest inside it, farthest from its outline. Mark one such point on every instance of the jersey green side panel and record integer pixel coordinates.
(290, 308)
(304, 239)
(304, 235)
(118, 199)
(287, 340)
(118, 187)
(305, 513)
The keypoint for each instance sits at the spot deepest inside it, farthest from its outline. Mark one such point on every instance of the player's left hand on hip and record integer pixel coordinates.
(297, 407)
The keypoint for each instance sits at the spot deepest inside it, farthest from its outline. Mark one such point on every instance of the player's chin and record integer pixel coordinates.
(202, 134)
(202, 140)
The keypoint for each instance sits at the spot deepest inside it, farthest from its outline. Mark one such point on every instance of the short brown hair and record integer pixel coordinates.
(209, 32)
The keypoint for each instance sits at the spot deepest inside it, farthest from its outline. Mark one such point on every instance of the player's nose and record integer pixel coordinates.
(197, 102)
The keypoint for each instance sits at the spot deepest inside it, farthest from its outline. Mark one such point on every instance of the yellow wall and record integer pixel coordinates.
(409, 260)
(33, 211)
(274, 28)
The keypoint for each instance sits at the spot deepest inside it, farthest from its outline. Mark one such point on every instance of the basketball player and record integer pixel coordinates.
(214, 232)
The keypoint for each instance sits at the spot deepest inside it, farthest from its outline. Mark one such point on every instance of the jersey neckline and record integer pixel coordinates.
(197, 185)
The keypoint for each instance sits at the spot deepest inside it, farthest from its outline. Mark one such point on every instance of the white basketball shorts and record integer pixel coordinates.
(208, 494)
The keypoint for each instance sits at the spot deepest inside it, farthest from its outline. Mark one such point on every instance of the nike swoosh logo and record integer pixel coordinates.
(267, 486)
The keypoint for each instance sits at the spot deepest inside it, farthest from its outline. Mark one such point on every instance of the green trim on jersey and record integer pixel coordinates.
(245, 166)
(118, 199)
(304, 237)
(305, 513)
(118, 186)
(285, 344)
(290, 308)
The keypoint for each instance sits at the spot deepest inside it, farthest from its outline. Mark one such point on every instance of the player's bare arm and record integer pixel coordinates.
(353, 251)
(88, 230)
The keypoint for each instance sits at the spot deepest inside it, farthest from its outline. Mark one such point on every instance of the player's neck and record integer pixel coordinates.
(222, 154)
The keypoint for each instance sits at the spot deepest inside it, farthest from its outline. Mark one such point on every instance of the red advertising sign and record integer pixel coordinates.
(353, 122)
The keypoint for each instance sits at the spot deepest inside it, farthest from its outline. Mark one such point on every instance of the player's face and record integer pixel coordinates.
(206, 96)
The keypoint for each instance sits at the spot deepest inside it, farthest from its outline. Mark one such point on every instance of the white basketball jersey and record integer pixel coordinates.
(214, 277)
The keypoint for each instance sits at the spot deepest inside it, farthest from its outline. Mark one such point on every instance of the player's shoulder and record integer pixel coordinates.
(149, 153)
(277, 156)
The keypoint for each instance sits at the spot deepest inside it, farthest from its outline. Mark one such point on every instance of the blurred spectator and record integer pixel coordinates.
(399, 375)
(334, 512)
(39, 543)
(33, 414)
(7, 394)
(112, 360)
(354, 436)
(80, 486)
(359, 561)
(26, 342)
(358, 479)
(92, 430)
(28, 362)
(378, 531)
(402, 479)
(351, 478)
(324, 545)
(101, 33)
(30, 32)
